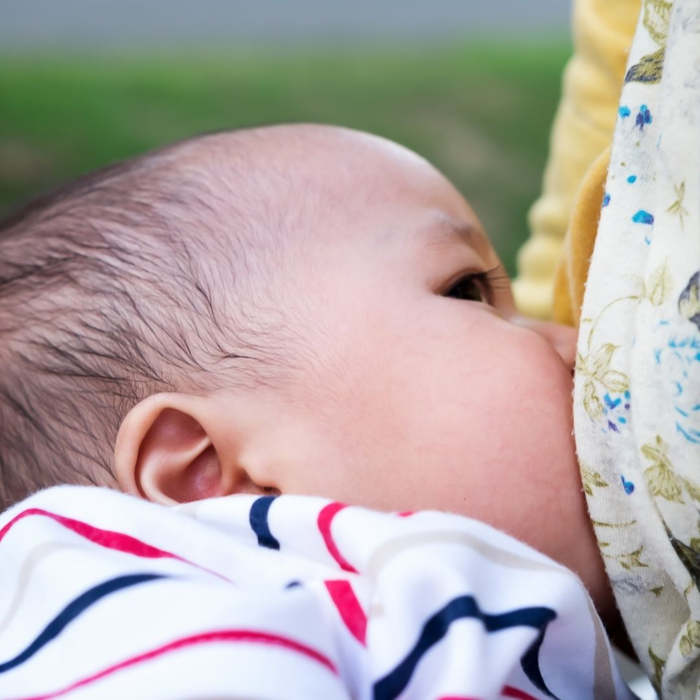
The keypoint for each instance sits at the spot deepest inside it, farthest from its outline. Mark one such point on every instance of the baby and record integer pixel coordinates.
(293, 309)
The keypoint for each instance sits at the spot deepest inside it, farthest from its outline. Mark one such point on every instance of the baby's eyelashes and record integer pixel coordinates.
(474, 287)
(485, 286)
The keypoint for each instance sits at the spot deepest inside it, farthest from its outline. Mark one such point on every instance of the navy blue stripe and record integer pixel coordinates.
(437, 626)
(258, 521)
(531, 665)
(74, 609)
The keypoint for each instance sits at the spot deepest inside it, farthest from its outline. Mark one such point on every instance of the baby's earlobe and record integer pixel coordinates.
(177, 462)
(164, 453)
(176, 447)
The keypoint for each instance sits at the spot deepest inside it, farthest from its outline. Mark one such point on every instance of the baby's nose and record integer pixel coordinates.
(562, 338)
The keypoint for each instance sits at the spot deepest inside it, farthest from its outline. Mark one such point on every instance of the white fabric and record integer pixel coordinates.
(288, 597)
(637, 392)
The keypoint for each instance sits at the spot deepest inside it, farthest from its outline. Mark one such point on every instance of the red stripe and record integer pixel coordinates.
(105, 538)
(325, 518)
(345, 600)
(510, 692)
(109, 539)
(231, 635)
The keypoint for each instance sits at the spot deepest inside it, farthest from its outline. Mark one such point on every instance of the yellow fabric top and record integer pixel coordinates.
(582, 130)
(577, 249)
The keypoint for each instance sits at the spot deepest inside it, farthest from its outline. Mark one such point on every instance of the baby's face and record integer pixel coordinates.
(426, 391)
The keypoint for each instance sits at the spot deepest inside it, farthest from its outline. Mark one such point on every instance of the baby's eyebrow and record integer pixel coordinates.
(466, 231)
(470, 234)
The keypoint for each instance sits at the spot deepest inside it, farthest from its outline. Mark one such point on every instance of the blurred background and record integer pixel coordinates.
(471, 85)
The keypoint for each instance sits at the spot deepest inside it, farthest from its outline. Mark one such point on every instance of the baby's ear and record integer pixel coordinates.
(164, 452)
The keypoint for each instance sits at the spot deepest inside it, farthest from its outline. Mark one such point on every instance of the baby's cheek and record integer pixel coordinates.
(530, 405)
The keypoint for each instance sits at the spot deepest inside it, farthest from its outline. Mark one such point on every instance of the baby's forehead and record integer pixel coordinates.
(303, 161)
(306, 191)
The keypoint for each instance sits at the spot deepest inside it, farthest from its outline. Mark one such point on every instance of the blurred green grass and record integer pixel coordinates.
(481, 111)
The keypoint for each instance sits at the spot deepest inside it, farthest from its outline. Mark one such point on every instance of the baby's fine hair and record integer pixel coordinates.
(138, 278)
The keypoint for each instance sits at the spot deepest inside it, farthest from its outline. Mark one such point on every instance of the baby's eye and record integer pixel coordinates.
(473, 287)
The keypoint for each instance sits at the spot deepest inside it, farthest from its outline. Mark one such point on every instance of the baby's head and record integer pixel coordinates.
(295, 309)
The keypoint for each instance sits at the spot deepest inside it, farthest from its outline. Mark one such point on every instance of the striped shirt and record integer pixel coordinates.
(103, 595)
